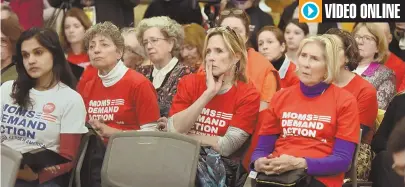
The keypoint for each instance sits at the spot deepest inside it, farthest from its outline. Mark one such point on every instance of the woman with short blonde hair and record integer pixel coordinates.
(162, 39)
(232, 102)
(374, 52)
(326, 136)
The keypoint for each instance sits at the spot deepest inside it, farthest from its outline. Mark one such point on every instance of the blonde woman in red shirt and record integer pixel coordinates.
(218, 108)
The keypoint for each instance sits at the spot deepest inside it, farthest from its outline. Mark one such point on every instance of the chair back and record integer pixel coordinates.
(10, 164)
(150, 159)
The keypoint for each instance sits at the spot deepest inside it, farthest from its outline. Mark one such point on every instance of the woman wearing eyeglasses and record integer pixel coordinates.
(373, 50)
(365, 93)
(162, 38)
(10, 32)
(258, 69)
(218, 108)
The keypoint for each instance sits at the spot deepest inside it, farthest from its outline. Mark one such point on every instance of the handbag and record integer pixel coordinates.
(293, 178)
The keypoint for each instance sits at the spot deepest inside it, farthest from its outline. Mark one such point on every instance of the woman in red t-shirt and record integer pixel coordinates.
(311, 125)
(362, 90)
(272, 45)
(74, 25)
(219, 108)
(118, 98)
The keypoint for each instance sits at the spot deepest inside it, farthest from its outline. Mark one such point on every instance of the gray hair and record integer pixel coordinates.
(129, 31)
(106, 29)
(169, 27)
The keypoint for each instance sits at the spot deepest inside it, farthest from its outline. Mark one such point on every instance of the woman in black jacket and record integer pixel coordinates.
(381, 170)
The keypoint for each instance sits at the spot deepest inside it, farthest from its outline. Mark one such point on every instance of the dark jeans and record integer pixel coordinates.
(382, 174)
(22, 183)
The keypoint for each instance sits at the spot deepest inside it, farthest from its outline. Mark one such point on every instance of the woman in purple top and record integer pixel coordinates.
(374, 52)
(310, 125)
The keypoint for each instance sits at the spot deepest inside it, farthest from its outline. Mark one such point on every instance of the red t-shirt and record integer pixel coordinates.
(308, 126)
(290, 78)
(398, 66)
(82, 60)
(238, 107)
(126, 105)
(366, 96)
(402, 87)
(89, 73)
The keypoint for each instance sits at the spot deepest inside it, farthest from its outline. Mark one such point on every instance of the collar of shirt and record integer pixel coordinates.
(284, 68)
(160, 75)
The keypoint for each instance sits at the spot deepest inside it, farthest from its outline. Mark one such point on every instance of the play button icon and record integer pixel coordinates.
(310, 10)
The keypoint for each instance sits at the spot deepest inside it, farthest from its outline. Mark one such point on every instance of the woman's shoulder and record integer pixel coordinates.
(384, 71)
(341, 95)
(362, 85)
(7, 85)
(181, 69)
(65, 91)
(134, 78)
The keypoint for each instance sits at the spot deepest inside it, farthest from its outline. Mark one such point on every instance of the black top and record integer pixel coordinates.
(394, 113)
(278, 63)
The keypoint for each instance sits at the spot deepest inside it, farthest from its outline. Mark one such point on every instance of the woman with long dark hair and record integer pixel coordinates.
(34, 113)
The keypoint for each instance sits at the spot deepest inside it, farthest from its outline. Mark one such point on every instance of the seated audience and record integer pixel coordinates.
(218, 108)
(381, 172)
(191, 51)
(10, 32)
(118, 99)
(161, 38)
(134, 55)
(327, 136)
(374, 51)
(272, 45)
(43, 95)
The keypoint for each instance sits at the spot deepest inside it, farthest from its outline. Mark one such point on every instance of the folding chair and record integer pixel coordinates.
(10, 164)
(150, 159)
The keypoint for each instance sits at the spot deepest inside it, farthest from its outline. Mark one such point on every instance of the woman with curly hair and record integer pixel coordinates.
(118, 98)
(162, 38)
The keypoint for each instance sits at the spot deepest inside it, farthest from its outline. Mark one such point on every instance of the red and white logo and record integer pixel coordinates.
(48, 108)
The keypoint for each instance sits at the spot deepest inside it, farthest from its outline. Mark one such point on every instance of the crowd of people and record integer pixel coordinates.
(270, 99)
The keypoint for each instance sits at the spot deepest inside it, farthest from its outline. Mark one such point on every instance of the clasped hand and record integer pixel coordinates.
(278, 165)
